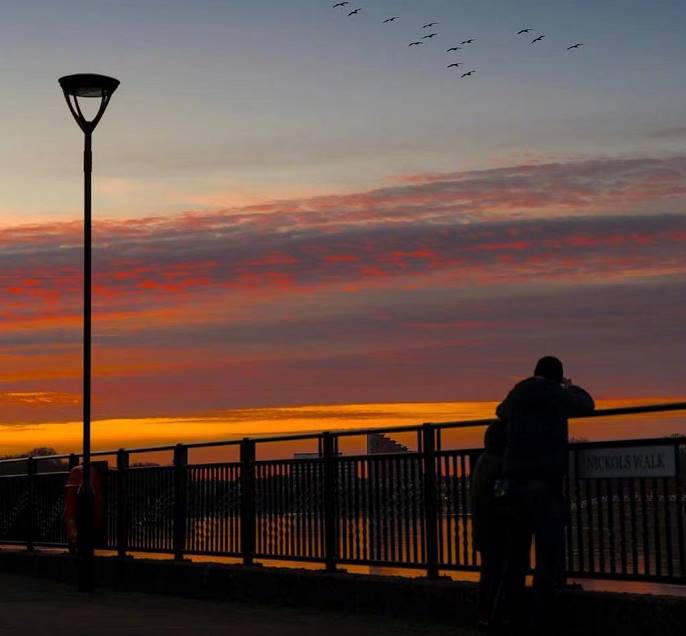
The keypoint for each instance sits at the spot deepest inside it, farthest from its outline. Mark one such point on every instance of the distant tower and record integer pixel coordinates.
(378, 444)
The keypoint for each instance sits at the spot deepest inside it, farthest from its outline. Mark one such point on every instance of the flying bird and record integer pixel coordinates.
(429, 25)
(393, 19)
(456, 64)
(538, 39)
(575, 46)
(469, 41)
(415, 43)
(454, 48)
(524, 31)
(467, 74)
(431, 35)
(340, 4)
(355, 12)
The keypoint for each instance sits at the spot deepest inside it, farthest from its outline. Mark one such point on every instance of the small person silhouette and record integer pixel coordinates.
(487, 532)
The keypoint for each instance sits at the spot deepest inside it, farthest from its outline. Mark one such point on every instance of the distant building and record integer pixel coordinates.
(378, 444)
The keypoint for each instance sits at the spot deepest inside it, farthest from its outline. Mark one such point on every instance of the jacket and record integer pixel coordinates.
(535, 412)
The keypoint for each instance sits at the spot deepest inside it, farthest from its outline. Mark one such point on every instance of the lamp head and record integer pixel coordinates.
(87, 85)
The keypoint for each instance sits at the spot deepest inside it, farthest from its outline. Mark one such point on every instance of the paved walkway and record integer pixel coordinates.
(34, 607)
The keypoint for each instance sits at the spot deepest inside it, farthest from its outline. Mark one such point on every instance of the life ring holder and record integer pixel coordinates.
(71, 490)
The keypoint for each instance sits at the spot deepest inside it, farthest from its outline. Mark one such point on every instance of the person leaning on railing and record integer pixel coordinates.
(535, 463)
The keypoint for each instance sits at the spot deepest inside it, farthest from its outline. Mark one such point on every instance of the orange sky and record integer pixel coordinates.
(142, 432)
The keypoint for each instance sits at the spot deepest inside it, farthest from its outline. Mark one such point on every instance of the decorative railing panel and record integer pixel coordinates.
(48, 508)
(15, 509)
(627, 527)
(380, 514)
(149, 504)
(455, 510)
(289, 509)
(213, 512)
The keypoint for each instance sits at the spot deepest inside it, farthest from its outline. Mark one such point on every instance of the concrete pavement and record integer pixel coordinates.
(37, 607)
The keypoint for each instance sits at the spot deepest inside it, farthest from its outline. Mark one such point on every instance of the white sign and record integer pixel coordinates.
(639, 461)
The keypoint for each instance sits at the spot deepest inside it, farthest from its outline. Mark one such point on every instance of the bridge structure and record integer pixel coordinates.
(409, 509)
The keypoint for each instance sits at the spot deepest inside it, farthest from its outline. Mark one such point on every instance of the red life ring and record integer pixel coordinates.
(71, 489)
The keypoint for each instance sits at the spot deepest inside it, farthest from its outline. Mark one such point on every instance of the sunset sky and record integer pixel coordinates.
(295, 208)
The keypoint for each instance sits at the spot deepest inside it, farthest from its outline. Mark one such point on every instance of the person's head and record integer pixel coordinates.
(549, 367)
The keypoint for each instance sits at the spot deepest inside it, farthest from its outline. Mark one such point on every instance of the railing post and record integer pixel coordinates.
(122, 502)
(248, 508)
(31, 502)
(330, 498)
(180, 500)
(430, 499)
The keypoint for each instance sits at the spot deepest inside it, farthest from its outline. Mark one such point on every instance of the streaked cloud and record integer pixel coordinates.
(527, 215)
(439, 286)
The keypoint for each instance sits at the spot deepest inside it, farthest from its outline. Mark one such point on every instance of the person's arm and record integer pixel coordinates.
(580, 401)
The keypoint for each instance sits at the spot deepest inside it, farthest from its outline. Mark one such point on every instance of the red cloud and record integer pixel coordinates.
(177, 260)
(599, 220)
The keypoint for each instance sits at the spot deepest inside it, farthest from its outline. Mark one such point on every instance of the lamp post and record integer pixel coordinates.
(74, 87)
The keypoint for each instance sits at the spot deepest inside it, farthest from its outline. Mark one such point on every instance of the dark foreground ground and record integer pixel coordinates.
(36, 607)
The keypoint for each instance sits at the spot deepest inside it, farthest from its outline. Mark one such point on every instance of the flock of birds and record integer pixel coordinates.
(453, 49)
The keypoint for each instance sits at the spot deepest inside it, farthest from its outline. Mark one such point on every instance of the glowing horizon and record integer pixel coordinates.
(65, 437)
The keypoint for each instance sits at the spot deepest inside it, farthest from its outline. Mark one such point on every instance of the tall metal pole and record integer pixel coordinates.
(87, 267)
(86, 495)
(86, 85)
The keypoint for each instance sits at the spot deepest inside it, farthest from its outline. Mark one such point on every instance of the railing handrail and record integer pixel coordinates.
(350, 432)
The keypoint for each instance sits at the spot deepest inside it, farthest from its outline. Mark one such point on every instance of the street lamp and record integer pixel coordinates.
(74, 87)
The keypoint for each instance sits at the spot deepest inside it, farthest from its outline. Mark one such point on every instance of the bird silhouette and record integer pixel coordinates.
(431, 35)
(456, 64)
(393, 19)
(429, 25)
(538, 39)
(467, 74)
(340, 4)
(415, 43)
(469, 41)
(524, 31)
(355, 12)
(454, 48)
(575, 46)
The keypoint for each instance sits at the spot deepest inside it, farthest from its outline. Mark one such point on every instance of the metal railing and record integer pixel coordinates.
(401, 510)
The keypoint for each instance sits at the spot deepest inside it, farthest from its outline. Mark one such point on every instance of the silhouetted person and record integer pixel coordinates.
(487, 530)
(535, 413)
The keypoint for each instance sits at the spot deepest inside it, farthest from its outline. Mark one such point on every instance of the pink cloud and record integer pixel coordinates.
(263, 284)
(434, 223)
